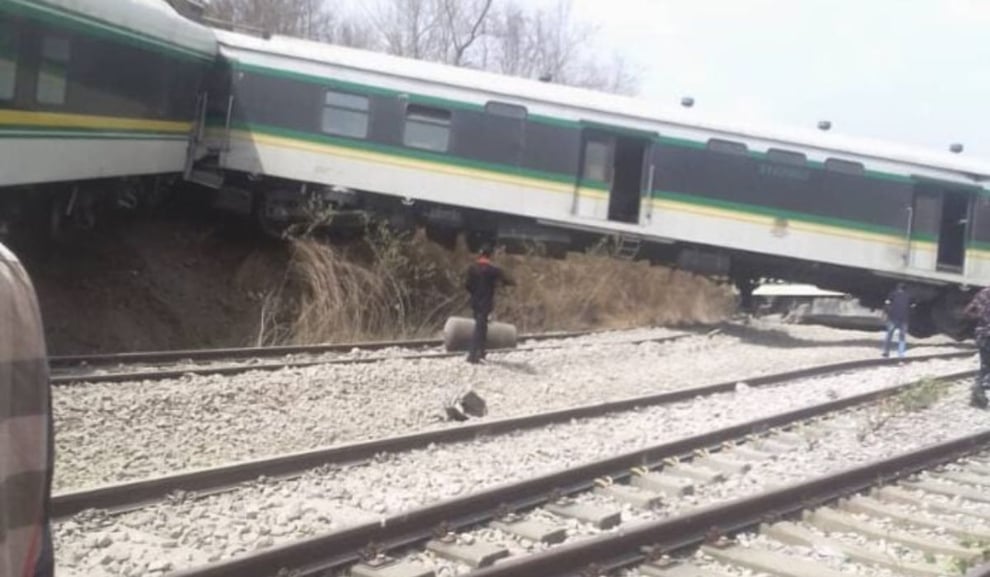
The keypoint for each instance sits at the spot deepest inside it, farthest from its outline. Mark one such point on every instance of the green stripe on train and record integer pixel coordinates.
(765, 211)
(420, 155)
(398, 152)
(369, 90)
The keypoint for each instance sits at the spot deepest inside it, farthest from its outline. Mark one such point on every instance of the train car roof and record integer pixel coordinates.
(972, 171)
(153, 21)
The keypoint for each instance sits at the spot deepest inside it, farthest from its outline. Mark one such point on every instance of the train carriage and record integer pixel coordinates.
(96, 90)
(467, 150)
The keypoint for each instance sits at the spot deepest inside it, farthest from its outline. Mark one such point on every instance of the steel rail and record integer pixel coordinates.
(338, 549)
(162, 374)
(236, 353)
(625, 548)
(125, 496)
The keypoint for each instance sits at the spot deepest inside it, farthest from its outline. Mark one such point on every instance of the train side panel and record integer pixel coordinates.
(82, 97)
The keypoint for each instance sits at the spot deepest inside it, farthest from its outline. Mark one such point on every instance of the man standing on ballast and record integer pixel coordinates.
(482, 280)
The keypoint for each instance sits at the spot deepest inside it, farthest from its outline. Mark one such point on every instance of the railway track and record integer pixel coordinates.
(131, 495)
(150, 366)
(515, 530)
(856, 515)
(417, 527)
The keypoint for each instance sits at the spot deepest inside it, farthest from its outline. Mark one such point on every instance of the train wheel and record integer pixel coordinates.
(920, 324)
(445, 237)
(947, 315)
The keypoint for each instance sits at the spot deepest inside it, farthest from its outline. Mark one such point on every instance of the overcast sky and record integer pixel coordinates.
(915, 72)
(911, 71)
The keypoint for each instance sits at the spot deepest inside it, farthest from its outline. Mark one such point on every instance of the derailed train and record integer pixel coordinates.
(98, 101)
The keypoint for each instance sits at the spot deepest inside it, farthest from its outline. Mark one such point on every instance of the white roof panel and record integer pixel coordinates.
(154, 20)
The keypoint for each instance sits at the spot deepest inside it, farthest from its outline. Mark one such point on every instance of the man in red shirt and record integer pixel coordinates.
(482, 279)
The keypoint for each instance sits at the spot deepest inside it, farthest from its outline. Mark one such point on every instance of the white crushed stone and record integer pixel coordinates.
(848, 447)
(108, 433)
(332, 499)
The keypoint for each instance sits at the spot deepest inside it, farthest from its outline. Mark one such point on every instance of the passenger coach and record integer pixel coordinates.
(91, 89)
(498, 157)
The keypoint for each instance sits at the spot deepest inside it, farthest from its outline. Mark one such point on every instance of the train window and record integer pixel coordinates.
(345, 114)
(844, 166)
(53, 70)
(596, 161)
(427, 128)
(507, 110)
(8, 60)
(786, 157)
(727, 146)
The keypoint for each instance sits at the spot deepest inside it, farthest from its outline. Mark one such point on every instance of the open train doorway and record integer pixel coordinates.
(626, 196)
(952, 231)
(617, 163)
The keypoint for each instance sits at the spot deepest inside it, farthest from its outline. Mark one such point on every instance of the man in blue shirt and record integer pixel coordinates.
(898, 308)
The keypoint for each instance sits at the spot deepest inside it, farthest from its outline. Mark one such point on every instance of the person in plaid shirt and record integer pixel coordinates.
(979, 309)
(26, 447)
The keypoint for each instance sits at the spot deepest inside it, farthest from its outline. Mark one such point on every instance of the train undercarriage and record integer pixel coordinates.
(56, 212)
(285, 208)
(43, 214)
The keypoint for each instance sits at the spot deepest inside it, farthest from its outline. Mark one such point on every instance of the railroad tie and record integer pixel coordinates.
(677, 570)
(797, 534)
(874, 508)
(832, 520)
(390, 568)
(769, 562)
(476, 554)
(600, 517)
(898, 495)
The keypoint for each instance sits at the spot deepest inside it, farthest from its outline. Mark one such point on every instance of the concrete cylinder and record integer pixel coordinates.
(458, 331)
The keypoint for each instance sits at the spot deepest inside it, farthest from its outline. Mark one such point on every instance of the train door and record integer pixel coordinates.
(614, 173)
(953, 225)
(939, 228)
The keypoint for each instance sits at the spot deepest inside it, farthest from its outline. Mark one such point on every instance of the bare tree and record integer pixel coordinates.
(549, 44)
(464, 26)
(310, 19)
(437, 30)
(498, 35)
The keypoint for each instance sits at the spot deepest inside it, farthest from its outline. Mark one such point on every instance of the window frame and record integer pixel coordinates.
(500, 108)
(787, 157)
(59, 64)
(10, 39)
(724, 146)
(429, 116)
(328, 107)
(607, 161)
(847, 167)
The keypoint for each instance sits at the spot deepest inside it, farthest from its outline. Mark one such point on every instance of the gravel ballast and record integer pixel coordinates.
(108, 433)
(267, 513)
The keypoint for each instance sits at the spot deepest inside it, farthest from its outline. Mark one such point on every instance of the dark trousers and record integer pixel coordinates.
(480, 336)
(982, 384)
(984, 347)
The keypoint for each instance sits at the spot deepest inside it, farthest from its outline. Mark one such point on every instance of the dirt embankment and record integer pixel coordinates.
(174, 284)
(154, 286)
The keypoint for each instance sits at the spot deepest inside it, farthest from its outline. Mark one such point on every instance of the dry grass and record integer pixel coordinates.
(389, 287)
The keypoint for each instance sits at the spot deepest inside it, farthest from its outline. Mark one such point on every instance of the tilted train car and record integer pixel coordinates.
(463, 150)
(92, 90)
